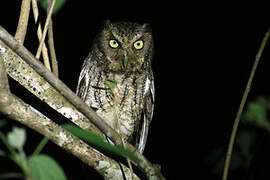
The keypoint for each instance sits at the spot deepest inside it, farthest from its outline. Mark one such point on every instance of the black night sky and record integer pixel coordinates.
(204, 52)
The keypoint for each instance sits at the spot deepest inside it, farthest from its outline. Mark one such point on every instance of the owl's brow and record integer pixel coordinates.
(115, 36)
(137, 37)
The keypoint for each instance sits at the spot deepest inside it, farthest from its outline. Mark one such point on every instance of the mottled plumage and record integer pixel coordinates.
(117, 80)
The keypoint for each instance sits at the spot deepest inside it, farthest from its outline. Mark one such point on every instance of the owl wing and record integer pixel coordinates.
(84, 79)
(148, 109)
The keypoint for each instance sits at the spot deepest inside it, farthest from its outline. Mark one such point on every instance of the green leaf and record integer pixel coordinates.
(100, 143)
(41, 145)
(17, 137)
(17, 158)
(5, 141)
(256, 113)
(43, 167)
(110, 83)
(57, 6)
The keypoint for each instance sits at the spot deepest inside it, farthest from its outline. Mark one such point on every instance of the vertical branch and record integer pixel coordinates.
(51, 44)
(45, 30)
(52, 50)
(39, 34)
(242, 104)
(23, 21)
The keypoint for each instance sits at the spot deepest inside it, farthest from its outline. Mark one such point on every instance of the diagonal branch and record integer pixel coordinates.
(39, 34)
(45, 29)
(150, 170)
(16, 109)
(23, 21)
(21, 72)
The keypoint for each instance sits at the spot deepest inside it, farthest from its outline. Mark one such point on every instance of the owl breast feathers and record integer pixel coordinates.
(117, 81)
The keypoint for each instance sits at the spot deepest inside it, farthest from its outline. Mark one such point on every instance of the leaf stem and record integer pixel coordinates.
(41, 145)
(15, 157)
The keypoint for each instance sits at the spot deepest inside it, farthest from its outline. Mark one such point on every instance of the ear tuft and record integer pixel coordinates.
(147, 27)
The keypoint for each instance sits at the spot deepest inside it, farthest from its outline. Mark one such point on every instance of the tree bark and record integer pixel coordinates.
(16, 109)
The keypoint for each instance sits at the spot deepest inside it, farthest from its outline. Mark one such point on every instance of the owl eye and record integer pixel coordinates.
(113, 43)
(138, 44)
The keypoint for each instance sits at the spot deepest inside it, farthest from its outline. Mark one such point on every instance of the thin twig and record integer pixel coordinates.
(23, 21)
(35, 10)
(39, 34)
(52, 50)
(51, 45)
(45, 30)
(150, 170)
(242, 104)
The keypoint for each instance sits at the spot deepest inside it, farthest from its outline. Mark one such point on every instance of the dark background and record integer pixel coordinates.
(204, 52)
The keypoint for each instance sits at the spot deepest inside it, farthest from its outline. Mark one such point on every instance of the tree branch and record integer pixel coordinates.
(37, 85)
(23, 21)
(39, 34)
(152, 171)
(51, 44)
(45, 29)
(16, 109)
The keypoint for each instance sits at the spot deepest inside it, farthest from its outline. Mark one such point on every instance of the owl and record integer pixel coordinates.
(117, 81)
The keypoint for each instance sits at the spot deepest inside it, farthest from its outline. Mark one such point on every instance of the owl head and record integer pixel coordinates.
(124, 47)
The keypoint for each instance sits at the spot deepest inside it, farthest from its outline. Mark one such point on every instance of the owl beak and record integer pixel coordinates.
(125, 59)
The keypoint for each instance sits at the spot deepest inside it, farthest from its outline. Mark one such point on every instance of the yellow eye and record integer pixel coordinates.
(113, 43)
(138, 44)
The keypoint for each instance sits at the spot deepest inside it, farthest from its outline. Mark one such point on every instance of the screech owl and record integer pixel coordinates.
(117, 81)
